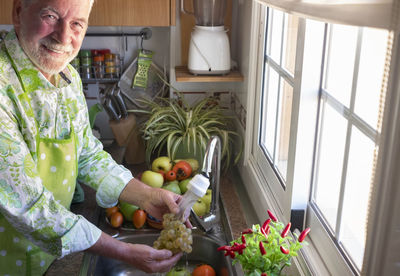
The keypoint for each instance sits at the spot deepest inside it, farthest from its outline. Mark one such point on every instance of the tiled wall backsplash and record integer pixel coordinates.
(239, 110)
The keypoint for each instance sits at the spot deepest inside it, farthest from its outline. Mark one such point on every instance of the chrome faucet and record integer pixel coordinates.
(211, 169)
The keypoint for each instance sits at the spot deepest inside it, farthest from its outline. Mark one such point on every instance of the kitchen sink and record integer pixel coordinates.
(204, 252)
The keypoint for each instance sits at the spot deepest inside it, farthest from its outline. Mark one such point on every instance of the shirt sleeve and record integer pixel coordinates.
(96, 168)
(25, 202)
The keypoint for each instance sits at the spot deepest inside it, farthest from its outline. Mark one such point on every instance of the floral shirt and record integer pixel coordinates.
(55, 109)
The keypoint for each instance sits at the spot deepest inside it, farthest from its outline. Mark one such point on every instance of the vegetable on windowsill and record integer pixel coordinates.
(266, 249)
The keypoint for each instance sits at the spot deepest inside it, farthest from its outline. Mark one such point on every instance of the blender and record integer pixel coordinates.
(209, 50)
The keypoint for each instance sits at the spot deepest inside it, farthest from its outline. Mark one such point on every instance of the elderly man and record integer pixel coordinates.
(46, 144)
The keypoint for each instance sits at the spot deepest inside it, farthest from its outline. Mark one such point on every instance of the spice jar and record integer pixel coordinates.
(109, 62)
(98, 66)
(86, 63)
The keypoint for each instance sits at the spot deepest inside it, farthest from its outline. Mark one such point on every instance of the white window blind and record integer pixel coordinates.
(368, 13)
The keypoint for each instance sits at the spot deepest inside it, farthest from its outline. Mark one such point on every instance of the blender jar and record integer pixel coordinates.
(208, 12)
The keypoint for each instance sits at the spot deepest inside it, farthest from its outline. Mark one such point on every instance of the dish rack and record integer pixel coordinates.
(156, 85)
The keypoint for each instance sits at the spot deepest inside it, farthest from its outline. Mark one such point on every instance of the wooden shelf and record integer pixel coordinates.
(183, 75)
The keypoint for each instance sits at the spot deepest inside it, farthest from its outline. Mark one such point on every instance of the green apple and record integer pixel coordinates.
(173, 187)
(200, 207)
(127, 210)
(162, 163)
(153, 179)
(183, 184)
(207, 199)
(193, 163)
(178, 271)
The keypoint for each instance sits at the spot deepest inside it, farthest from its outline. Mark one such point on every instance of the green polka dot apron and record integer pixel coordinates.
(57, 167)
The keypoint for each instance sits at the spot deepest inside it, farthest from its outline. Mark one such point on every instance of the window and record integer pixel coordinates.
(348, 132)
(278, 89)
(317, 123)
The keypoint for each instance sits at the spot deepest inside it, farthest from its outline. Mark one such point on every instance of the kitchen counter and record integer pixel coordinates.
(234, 208)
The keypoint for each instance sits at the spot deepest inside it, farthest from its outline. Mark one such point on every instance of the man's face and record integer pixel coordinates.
(51, 31)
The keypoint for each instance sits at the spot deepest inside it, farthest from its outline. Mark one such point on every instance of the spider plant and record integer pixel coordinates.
(184, 130)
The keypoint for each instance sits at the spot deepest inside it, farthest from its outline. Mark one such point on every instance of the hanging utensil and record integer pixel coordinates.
(116, 94)
(108, 105)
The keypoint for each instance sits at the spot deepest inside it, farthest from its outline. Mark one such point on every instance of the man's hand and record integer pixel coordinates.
(160, 202)
(155, 201)
(140, 256)
(151, 260)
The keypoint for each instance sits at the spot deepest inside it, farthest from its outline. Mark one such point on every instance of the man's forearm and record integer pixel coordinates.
(135, 192)
(109, 247)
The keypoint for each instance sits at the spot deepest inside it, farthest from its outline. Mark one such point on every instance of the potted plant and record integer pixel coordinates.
(183, 130)
(267, 249)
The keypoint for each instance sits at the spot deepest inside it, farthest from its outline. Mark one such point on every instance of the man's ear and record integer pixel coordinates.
(16, 14)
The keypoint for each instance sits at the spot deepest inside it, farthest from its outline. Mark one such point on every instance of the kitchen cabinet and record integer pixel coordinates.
(5, 11)
(118, 12)
(133, 13)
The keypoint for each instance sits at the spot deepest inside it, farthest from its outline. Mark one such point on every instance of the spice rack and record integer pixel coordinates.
(94, 69)
(98, 66)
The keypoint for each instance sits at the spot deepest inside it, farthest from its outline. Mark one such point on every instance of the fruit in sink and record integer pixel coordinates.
(153, 179)
(200, 208)
(182, 169)
(161, 163)
(178, 271)
(110, 211)
(139, 218)
(193, 163)
(183, 184)
(170, 175)
(116, 219)
(175, 236)
(207, 199)
(173, 187)
(204, 270)
(127, 210)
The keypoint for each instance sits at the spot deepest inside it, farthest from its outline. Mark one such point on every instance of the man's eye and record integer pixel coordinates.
(77, 25)
(50, 17)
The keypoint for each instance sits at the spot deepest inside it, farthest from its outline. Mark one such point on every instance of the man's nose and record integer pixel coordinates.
(63, 33)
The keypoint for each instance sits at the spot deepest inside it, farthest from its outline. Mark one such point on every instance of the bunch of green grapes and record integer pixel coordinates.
(175, 236)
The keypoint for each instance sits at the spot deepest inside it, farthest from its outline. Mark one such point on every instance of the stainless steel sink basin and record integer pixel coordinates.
(204, 251)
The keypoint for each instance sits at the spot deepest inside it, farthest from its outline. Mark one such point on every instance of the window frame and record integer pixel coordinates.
(260, 174)
(280, 191)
